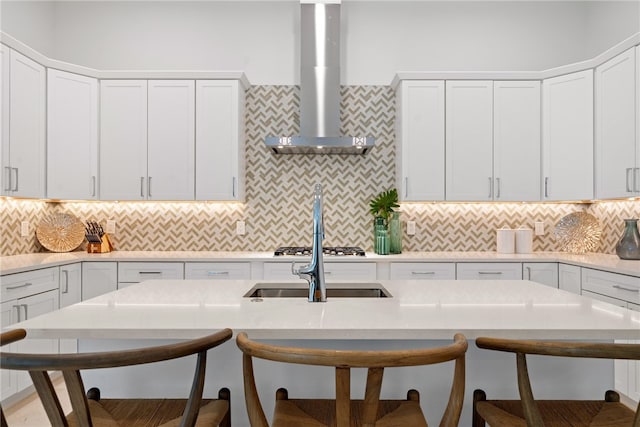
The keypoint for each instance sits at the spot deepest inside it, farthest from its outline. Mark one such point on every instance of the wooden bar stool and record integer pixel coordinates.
(528, 412)
(343, 411)
(89, 411)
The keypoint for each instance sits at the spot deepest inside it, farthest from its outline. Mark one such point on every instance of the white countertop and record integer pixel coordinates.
(418, 310)
(25, 262)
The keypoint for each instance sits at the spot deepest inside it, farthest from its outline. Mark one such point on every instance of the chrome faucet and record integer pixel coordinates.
(314, 272)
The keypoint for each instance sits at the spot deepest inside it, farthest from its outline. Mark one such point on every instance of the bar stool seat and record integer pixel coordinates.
(344, 411)
(529, 412)
(89, 410)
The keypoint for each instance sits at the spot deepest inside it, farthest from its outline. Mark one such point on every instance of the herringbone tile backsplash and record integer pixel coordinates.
(279, 189)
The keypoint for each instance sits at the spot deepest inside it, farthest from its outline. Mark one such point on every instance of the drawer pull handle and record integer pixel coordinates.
(418, 273)
(149, 272)
(626, 289)
(10, 288)
(26, 313)
(217, 273)
(489, 272)
(66, 282)
(17, 307)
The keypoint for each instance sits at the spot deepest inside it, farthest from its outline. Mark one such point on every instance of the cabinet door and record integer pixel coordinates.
(489, 271)
(72, 136)
(70, 293)
(636, 171)
(27, 94)
(171, 143)
(469, 140)
(219, 140)
(615, 126)
(569, 278)
(8, 316)
(567, 147)
(217, 270)
(541, 272)
(123, 140)
(98, 278)
(633, 386)
(29, 308)
(5, 185)
(516, 141)
(422, 271)
(420, 141)
(70, 284)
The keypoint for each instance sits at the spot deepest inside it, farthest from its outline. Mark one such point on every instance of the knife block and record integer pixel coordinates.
(99, 248)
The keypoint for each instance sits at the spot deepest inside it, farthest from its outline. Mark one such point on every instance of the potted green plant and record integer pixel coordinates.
(387, 234)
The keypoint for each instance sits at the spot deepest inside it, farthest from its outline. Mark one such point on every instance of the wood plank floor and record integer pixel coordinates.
(29, 412)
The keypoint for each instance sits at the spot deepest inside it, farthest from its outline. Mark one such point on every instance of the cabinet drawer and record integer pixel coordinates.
(332, 270)
(604, 298)
(217, 270)
(134, 272)
(20, 285)
(489, 271)
(626, 288)
(422, 271)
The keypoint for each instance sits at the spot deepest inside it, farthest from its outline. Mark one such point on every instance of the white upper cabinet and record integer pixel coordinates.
(72, 136)
(616, 127)
(219, 171)
(23, 143)
(4, 119)
(420, 143)
(171, 141)
(123, 139)
(469, 140)
(147, 149)
(567, 147)
(516, 141)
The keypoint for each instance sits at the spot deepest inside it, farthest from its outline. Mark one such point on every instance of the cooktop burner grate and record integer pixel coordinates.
(331, 250)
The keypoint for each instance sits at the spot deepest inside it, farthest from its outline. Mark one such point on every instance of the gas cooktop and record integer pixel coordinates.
(331, 250)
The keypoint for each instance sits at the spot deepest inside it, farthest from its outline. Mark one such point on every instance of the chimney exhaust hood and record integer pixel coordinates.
(320, 88)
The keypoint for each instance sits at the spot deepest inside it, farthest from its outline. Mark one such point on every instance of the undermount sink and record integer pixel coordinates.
(334, 290)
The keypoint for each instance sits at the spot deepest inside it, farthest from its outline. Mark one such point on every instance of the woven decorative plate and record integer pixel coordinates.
(578, 232)
(60, 232)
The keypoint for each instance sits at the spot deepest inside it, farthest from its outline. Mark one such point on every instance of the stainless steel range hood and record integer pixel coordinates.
(320, 88)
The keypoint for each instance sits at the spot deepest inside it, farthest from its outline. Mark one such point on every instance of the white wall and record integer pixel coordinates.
(379, 38)
(32, 22)
(611, 22)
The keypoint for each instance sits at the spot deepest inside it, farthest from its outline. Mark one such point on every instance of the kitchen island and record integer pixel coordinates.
(418, 314)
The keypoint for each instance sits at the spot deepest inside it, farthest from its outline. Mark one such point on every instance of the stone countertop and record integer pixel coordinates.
(180, 309)
(25, 262)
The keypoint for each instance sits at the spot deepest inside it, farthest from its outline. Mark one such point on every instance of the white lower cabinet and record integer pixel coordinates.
(489, 271)
(633, 371)
(70, 293)
(569, 278)
(98, 278)
(217, 270)
(130, 273)
(618, 286)
(332, 270)
(422, 271)
(623, 291)
(541, 272)
(25, 296)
